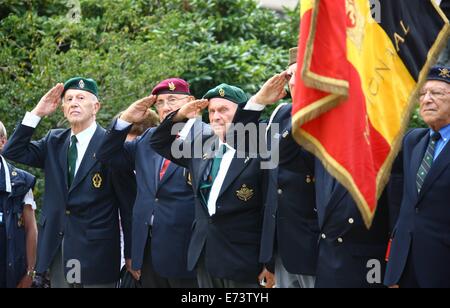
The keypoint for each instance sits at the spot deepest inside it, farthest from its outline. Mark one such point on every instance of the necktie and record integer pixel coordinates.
(72, 158)
(427, 161)
(206, 187)
(164, 169)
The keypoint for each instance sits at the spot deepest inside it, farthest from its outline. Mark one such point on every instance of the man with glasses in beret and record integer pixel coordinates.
(164, 209)
(229, 187)
(420, 249)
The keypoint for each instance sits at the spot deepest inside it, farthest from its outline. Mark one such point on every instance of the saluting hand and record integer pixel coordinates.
(50, 102)
(273, 90)
(139, 111)
(191, 110)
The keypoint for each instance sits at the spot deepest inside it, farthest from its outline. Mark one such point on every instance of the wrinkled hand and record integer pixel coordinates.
(139, 111)
(273, 90)
(25, 283)
(50, 102)
(268, 278)
(136, 274)
(191, 110)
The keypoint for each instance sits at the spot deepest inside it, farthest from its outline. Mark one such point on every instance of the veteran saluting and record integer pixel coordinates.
(79, 223)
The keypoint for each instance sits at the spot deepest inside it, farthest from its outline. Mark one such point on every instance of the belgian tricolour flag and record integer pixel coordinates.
(361, 64)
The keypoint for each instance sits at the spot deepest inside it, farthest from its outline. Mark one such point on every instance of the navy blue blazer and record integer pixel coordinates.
(15, 235)
(230, 240)
(85, 215)
(290, 227)
(422, 233)
(170, 201)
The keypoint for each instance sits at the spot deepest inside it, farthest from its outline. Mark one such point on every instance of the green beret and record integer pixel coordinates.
(231, 93)
(80, 83)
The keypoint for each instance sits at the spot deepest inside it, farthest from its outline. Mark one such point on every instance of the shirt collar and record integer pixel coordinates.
(229, 147)
(445, 133)
(85, 136)
(7, 176)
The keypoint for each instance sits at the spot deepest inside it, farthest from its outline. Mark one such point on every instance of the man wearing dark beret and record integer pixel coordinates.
(164, 208)
(79, 237)
(420, 251)
(343, 247)
(229, 189)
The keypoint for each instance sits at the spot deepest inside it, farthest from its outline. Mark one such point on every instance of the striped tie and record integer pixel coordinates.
(427, 161)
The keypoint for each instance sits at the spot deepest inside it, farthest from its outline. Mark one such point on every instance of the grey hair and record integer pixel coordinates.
(3, 132)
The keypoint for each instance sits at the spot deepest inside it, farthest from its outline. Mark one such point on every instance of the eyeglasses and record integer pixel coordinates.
(434, 94)
(171, 102)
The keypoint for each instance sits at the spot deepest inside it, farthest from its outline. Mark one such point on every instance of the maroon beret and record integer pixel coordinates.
(172, 86)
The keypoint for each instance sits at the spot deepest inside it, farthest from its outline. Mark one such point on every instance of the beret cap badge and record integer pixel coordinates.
(444, 72)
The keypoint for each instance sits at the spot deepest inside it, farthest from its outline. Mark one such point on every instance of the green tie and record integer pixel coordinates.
(72, 158)
(205, 188)
(427, 161)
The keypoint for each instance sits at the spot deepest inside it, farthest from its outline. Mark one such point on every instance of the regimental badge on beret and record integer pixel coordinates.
(444, 72)
(81, 84)
(245, 193)
(172, 86)
(222, 92)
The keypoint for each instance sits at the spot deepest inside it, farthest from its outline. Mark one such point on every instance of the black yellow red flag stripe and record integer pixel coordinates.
(360, 66)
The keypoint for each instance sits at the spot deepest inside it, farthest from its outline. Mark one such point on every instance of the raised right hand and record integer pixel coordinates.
(50, 102)
(191, 109)
(273, 90)
(139, 110)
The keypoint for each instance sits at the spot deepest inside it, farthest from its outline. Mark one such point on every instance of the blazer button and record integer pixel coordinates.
(68, 213)
(340, 240)
(61, 233)
(280, 191)
(351, 221)
(324, 236)
(156, 200)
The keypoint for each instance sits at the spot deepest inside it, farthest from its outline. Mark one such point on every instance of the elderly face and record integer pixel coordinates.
(221, 114)
(435, 104)
(168, 103)
(80, 107)
(3, 137)
(291, 72)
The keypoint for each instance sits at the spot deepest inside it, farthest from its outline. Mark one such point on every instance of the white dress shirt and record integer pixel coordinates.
(220, 178)
(83, 138)
(29, 198)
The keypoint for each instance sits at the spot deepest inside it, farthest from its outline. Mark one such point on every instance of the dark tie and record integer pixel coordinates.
(72, 159)
(427, 161)
(205, 188)
(164, 169)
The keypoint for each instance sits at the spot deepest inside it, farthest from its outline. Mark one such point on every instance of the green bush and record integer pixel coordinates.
(128, 46)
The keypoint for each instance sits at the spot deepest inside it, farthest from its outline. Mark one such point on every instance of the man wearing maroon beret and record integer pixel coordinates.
(163, 212)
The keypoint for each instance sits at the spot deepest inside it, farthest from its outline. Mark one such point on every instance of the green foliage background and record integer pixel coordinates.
(129, 46)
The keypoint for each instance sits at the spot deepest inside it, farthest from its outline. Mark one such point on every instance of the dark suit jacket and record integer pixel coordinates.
(290, 226)
(170, 200)
(14, 239)
(229, 240)
(422, 233)
(86, 215)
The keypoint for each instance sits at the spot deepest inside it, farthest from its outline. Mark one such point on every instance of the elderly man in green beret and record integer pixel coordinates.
(79, 224)
(229, 190)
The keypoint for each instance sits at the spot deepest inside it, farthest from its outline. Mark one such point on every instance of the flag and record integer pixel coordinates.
(361, 64)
